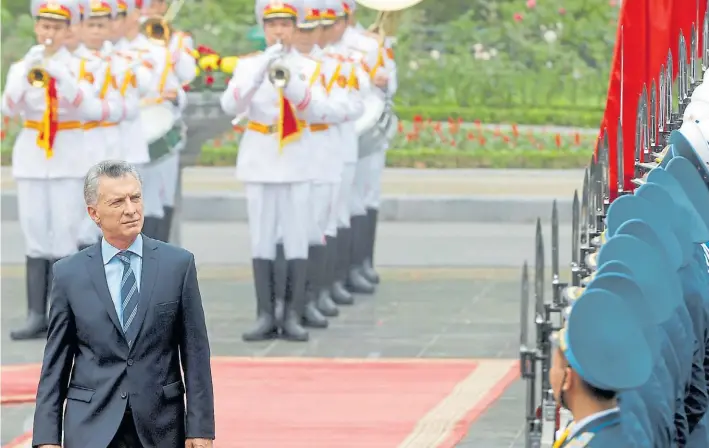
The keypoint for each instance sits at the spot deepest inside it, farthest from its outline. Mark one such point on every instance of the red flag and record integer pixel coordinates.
(289, 128)
(647, 30)
(50, 119)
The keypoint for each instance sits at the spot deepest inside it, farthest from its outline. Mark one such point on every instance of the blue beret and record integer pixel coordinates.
(699, 217)
(604, 343)
(675, 255)
(692, 184)
(626, 208)
(622, 284)
(689, 142)
(686, 228)
(659, 283)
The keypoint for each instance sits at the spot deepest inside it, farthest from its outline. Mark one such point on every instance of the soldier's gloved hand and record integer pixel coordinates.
(34, 57)
(67, 84)
(297, 90)
(273, 51)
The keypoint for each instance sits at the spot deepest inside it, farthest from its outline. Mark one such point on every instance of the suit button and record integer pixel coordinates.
(124, 395)
(130, 361)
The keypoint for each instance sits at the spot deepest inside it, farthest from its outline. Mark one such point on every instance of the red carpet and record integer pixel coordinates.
(326, 403)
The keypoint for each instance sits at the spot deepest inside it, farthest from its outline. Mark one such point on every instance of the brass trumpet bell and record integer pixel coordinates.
(156, 28)
(38, 77)
(279, 75)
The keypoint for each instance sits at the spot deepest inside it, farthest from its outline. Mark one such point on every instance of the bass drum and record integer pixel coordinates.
(163, 132)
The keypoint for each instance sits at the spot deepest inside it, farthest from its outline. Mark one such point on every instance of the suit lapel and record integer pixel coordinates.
(94, 264)
(151, 265)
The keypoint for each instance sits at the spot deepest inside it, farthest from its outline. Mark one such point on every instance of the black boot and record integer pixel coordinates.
(323, 300)
(151, 226)
(367, 270)
(356, 283)
(266, 327)
(312, 317)
(338, 254)
(280, 274)
(38, 286)
(166, 224)
(291, 329)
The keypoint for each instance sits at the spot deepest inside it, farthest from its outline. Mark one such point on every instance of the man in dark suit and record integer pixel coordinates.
(126, 313)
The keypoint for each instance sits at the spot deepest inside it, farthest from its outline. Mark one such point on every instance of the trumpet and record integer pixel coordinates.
(278, 73)
(156, 28)
(38, 76)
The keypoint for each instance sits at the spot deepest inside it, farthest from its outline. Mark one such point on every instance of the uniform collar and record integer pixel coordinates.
(108, 251)
(587, 423)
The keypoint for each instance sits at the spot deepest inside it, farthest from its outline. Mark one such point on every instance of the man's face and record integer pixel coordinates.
(73, 37)
(157, 8)
(118, 28)
(325, 37)
(49, 29)
(95, 31)
(119, 208)
(338, 29)
(279, 30)
(305, 39)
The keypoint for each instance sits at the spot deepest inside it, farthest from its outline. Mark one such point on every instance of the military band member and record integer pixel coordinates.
(274, 163)
(325, 162)
(596, 356)
(345, 279)
(102, 138)
(47, 161)
(162, 91)
(364, 200)
(184, 67)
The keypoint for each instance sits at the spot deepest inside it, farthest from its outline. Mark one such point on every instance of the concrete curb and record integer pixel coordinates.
(224, 207)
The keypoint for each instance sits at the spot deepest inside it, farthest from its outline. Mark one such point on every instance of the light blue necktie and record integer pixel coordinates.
(130, 296)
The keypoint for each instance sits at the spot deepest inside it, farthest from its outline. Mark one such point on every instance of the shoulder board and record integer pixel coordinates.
(249, 55)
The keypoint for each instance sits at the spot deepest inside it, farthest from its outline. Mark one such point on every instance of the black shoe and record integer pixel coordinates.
(339, 259)
(291, 329)
(38, 277)
(356, 282)
(266, 327)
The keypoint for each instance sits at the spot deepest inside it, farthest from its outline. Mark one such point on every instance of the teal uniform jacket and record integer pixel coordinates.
(602, 432)
(694, 287)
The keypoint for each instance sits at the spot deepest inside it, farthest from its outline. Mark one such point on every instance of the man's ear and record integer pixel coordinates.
(93, 214)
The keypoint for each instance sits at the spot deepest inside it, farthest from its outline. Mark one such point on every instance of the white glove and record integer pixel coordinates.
(67, 84)
(34, 57)
(273, 51)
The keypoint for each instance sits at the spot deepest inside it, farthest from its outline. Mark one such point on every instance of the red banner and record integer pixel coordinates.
(647, 31)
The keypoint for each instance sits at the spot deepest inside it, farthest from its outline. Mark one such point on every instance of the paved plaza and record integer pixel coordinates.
(449, 291)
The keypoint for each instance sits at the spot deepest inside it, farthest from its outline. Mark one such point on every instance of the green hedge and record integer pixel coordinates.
(575, 117)
(444, 158)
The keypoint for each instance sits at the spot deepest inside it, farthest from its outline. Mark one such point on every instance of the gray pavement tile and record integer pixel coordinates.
(16, 420)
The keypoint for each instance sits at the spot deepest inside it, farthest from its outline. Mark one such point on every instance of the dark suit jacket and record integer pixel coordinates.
(88, 363)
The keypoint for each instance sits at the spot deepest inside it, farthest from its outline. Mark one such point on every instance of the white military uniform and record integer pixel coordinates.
(101, 138)
(50, 179)
(151, 84)
(184, 67)
(275, 164)
(49, 159)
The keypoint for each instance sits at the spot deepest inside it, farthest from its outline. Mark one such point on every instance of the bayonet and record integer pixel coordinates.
(575, 240)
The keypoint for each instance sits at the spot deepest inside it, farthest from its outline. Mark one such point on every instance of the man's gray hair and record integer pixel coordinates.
(108, 168)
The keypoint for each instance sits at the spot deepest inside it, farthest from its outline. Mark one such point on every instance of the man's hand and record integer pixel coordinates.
(381, 80)
(198, 443)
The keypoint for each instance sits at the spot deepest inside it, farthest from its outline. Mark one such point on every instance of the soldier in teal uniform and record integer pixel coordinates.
(662, 395)
(597, 355)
